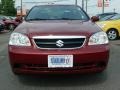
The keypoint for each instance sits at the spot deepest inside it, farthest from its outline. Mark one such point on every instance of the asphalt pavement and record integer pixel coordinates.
(108, 80)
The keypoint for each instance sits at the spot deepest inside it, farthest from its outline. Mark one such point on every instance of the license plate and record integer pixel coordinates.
(60, 61)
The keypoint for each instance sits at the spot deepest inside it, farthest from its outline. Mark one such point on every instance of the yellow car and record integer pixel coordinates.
(111, 27)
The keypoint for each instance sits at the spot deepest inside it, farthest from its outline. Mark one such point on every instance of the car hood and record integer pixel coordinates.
(41, 28)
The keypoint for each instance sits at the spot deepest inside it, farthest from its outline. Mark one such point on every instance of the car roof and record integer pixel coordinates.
(107, 13)
(56, 5)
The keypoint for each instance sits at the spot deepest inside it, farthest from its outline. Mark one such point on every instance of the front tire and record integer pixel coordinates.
(112, 34)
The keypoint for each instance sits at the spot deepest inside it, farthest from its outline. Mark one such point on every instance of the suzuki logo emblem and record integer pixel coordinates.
(59, 43)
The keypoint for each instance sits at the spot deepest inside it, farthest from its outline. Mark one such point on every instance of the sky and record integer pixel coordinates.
(92, 5)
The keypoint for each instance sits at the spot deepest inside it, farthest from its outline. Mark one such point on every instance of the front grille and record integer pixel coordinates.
(59, 43)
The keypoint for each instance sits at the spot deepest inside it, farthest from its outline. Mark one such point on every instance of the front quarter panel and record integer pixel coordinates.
(110, 24)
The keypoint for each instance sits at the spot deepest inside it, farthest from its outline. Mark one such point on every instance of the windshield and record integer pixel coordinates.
(106, 18)
(57, 12)
(115, 17)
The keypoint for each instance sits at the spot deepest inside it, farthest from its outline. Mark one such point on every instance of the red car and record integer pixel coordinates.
(10, 24)
(58, 39)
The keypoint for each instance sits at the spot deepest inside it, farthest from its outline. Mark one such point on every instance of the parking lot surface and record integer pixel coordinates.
(108, 80)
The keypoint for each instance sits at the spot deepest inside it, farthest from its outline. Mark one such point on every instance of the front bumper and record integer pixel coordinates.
(29, 60)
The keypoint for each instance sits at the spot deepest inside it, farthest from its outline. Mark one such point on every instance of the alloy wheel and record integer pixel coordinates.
(11, 27)
(112, 34)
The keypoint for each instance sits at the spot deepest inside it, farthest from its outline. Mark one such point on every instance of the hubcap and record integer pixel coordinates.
(11, 27)
(112, 34)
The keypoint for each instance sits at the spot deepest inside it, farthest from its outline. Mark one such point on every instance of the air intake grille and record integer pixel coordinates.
(59, 43)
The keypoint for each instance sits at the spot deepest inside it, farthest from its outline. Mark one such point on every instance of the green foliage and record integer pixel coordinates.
(7, 7)
(0, 8)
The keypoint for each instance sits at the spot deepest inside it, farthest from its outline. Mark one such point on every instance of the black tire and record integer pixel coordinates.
(11, 27)
(112, 34)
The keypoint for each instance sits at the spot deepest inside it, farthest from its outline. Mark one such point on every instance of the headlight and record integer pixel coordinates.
(98, 38)
(101, 25)
(18, 39)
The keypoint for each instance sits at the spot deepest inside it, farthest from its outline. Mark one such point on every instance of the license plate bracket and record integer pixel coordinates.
(60, 61)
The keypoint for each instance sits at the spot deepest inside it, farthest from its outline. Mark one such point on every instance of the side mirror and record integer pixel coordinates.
(94, 18)
(17, 20)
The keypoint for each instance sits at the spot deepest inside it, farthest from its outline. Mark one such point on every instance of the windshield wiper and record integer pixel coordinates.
(66, 19)
(35, 19)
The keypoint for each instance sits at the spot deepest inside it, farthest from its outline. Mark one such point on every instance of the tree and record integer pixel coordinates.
(8, 7)
(0, 7)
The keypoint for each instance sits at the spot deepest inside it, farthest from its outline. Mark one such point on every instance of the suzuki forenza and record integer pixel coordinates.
(58, 39)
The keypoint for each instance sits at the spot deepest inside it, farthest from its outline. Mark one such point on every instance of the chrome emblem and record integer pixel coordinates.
(59, 43)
